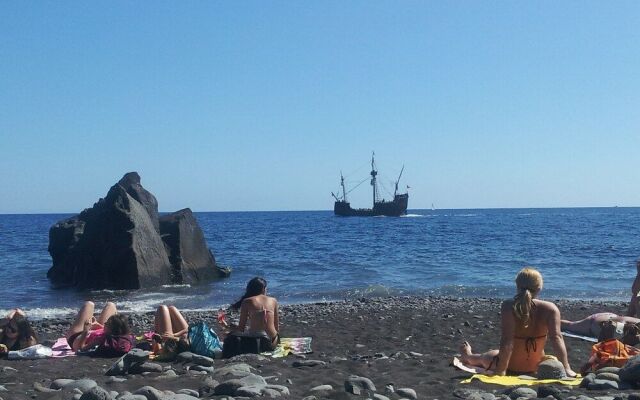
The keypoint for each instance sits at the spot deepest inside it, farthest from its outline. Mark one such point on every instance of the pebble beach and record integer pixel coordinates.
(382, 348)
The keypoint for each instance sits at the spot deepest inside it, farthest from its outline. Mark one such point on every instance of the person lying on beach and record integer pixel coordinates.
(171, 329)
(110, 333)
(260, 313)
(634, 303)
(605, 326)
(15, 332)
(527, 322)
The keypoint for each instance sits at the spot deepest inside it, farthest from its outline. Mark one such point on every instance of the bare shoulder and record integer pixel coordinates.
(547, 306)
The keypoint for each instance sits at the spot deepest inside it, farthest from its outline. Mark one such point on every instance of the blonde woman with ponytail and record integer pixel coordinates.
(527, 323)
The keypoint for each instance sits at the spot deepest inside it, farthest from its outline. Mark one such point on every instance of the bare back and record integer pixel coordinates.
(529, 341)
(261, 314)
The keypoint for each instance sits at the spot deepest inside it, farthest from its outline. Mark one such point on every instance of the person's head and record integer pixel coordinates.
(19, 329)
(255, 287)
(528, 284)
(117, 325)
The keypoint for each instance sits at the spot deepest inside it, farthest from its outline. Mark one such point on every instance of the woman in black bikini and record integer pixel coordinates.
(526, 324)
(15, 332)
(260, 313)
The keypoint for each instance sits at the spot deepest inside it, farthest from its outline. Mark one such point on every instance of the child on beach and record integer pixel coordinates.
(526, 324)
(15, 332)
(110, 332)
(634, 303)
(260, 313)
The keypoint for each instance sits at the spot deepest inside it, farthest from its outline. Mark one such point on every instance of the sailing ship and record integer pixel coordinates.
(393, 208)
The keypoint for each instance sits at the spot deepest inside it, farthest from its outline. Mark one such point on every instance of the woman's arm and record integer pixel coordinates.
(508, 325)
(555, 336)
(244, 313)
(276, 317)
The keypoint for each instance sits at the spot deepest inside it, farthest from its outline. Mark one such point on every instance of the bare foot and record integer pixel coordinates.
(465, 349)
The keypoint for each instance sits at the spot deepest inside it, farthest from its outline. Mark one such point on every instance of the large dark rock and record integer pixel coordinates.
(116, 244)
(188, 253)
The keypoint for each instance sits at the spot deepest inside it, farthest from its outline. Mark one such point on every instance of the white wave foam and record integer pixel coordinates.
(43, 313)
(413, 215)
(185, 285)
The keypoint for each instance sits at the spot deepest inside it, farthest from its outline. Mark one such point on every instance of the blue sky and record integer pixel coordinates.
(259, 105)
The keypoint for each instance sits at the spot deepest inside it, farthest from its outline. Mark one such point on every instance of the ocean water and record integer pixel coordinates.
(583, 253)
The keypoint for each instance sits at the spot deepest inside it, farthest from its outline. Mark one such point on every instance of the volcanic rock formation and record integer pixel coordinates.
(121, 243)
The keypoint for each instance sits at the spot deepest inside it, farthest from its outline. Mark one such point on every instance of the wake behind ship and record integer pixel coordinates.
(393, 208)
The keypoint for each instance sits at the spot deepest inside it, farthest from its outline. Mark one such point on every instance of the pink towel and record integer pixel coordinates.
(61, 349)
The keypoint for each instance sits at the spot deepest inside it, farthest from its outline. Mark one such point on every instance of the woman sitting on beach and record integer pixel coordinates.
(605, 326)
(260, 312)
(15, 332)
(526, 324)
(110, 332)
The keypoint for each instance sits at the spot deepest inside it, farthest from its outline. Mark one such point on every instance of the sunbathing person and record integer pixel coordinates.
(526, 324)
(171, 329)
(110, 333)
(605, 326)
(258, 318)
(15, 332)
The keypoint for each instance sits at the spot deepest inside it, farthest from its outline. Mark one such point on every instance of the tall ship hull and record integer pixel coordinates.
(394, 208)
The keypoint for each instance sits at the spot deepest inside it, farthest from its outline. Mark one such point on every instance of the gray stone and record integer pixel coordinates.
(551, 369)
(130, 396)
(234, 370)
(310, 398)
(60, 383)
(548, 390)
(179, 396)
(308, 363)
(283, 390)
(115, 379)
(190, 392)
(202, 360)
(483, 396)
(523, 392)
(96, 393)
(208, 370)
(184, 357)
(407, 393)
(84, 385)
(609, 376)
(378, 396)
(356, 384)
(39, 387)
(207, 386)
(249, 391)
(228, 387)
(321, 388)
(587, 380)
(271, 393)
(145, 367)
(630, 372)
(601, 384)
(150, 393)
(613, 370)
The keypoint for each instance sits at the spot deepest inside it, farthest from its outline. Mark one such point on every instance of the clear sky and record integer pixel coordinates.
(259, 105)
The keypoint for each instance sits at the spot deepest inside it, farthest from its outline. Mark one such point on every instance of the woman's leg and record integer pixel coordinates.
(162, 323)
(85, 314)
(485, 360)
(179, 325)
(108, 310)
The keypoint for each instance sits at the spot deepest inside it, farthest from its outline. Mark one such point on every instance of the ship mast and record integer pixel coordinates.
(373, 179)
(395, 192)
(344, 191)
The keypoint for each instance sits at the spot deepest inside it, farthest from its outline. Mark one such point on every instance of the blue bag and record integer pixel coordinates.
(203, 340)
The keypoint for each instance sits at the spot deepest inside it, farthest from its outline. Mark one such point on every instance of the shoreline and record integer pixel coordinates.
(408, 341)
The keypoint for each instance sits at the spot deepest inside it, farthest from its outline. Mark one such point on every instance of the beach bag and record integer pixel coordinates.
(609, 353)
(242, 343)
(203, 340)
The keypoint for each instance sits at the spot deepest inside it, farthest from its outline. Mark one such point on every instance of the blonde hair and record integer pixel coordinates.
(529, 283)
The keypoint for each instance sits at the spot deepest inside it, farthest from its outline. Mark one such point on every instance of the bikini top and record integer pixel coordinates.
(530, 342)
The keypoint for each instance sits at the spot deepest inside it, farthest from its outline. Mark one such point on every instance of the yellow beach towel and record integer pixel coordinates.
(521, 380)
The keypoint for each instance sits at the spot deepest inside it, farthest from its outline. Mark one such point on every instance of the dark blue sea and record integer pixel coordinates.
(583, 253)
